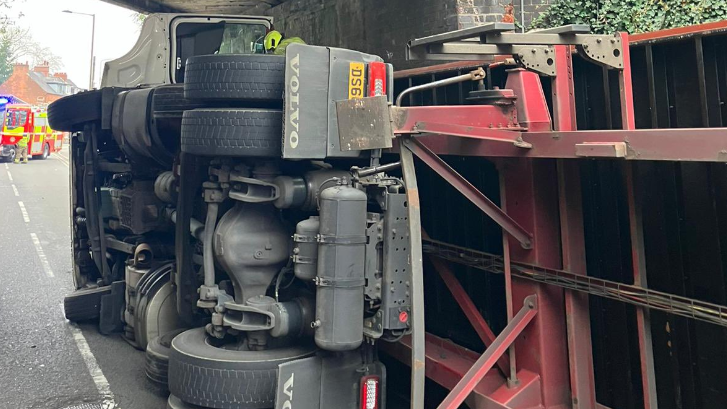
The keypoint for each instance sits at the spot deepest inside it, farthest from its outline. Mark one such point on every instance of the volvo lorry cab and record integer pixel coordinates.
(222, 224)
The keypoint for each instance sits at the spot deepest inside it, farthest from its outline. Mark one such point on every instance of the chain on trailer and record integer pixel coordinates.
(627, 293)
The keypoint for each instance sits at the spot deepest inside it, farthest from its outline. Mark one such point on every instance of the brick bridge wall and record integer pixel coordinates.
(383, 27)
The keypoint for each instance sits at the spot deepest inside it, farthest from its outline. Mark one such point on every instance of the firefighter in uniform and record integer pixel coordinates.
(21, 149)
(276, 44)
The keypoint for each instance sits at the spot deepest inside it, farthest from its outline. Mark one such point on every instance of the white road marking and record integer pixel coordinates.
(41, 255)
(102, 384)
(24, 212)
(63, 160)
(10, 176)
(15, 190)
(6, 166)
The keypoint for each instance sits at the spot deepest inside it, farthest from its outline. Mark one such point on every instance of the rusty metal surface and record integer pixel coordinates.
(487, 361)
(683, 222)
(418, 351)
(684, 145)
(364, 123)
(679, 33)
(468, 308)
(470, 192)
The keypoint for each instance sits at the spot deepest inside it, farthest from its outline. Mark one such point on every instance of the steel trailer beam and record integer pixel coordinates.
(470, 192)
(578, 320)
(468, 307)
(679, 144)
(646, 353)
(533, 50)
(418, 357)
(483, 365)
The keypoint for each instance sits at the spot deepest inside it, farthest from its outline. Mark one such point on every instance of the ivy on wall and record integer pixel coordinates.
(633, 16)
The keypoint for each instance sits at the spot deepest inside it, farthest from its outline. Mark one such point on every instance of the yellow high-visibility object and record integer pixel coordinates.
(272, 40)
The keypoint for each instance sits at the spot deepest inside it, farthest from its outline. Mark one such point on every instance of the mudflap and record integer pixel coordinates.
(112, 309)
(316, 77)
(328, 380)
(299, 384)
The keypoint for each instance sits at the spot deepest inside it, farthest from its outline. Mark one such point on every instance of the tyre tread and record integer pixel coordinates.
(235, 77)
(232, 132)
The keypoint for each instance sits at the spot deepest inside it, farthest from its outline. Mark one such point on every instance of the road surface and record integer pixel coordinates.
(45, 361)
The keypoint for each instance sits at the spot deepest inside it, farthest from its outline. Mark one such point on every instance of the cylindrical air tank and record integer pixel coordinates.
(340, 277)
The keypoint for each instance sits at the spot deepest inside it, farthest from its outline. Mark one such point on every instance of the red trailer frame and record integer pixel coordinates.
(546, 372)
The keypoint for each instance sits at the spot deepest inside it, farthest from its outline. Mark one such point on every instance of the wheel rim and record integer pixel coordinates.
(46, 151)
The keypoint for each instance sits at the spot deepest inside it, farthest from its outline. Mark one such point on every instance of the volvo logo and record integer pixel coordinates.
(294, 107)
(288, 391)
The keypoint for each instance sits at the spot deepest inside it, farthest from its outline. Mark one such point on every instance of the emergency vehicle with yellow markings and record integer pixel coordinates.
(20, 120)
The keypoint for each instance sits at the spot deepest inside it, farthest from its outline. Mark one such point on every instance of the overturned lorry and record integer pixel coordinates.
(253, 221)
(255, 273)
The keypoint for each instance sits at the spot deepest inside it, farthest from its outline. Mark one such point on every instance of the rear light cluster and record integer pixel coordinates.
(377, 79)
(370, 392)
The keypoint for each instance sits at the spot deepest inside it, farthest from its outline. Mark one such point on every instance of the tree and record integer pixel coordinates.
(632, 16)
(138, 18)
(17, 44)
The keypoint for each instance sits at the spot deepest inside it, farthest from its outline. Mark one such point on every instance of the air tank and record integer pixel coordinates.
(305, 253)
(340, 272)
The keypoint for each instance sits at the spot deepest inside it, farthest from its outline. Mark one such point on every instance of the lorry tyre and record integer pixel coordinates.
(245, 78)
(175, 403)
(233, 132)
(84, 304)
(157, 359)
(70, 113)
(205, 375)
(170, 99)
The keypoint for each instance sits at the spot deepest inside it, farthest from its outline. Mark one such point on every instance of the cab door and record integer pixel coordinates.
(36, 137)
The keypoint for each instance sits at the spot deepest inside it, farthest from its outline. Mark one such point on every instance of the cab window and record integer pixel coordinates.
(16, 119)
(215, 38)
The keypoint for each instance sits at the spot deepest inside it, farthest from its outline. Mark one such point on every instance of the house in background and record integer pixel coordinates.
(37, 86)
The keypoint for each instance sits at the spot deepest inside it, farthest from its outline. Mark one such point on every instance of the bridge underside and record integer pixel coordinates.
(197, 6)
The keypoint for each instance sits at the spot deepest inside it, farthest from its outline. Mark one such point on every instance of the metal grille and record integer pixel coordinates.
(631, 294)
(127, 210)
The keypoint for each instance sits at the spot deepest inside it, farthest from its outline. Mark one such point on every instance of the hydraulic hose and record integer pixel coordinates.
(207, 253)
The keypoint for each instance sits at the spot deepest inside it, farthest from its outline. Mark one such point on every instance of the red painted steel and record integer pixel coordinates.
(470, 192)
(648, 377)
(626, 88)
(407, 119)
(484, 364)
(463, 131)
(577, 315)
(646, 354)
(532, 199)
(564, 376)
(679, 33)
(564, 103)
(678, 144)
(531, 106)
(446, 362)
(469, 308)
(578, 322)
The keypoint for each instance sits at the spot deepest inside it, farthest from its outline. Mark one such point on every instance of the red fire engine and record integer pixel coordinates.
(21, 120)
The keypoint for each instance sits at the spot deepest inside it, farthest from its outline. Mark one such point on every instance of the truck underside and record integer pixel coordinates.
(267, 236)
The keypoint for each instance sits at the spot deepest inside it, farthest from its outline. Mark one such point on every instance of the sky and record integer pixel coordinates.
(69, 35)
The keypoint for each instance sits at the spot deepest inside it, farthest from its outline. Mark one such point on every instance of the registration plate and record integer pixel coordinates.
(355, 80)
